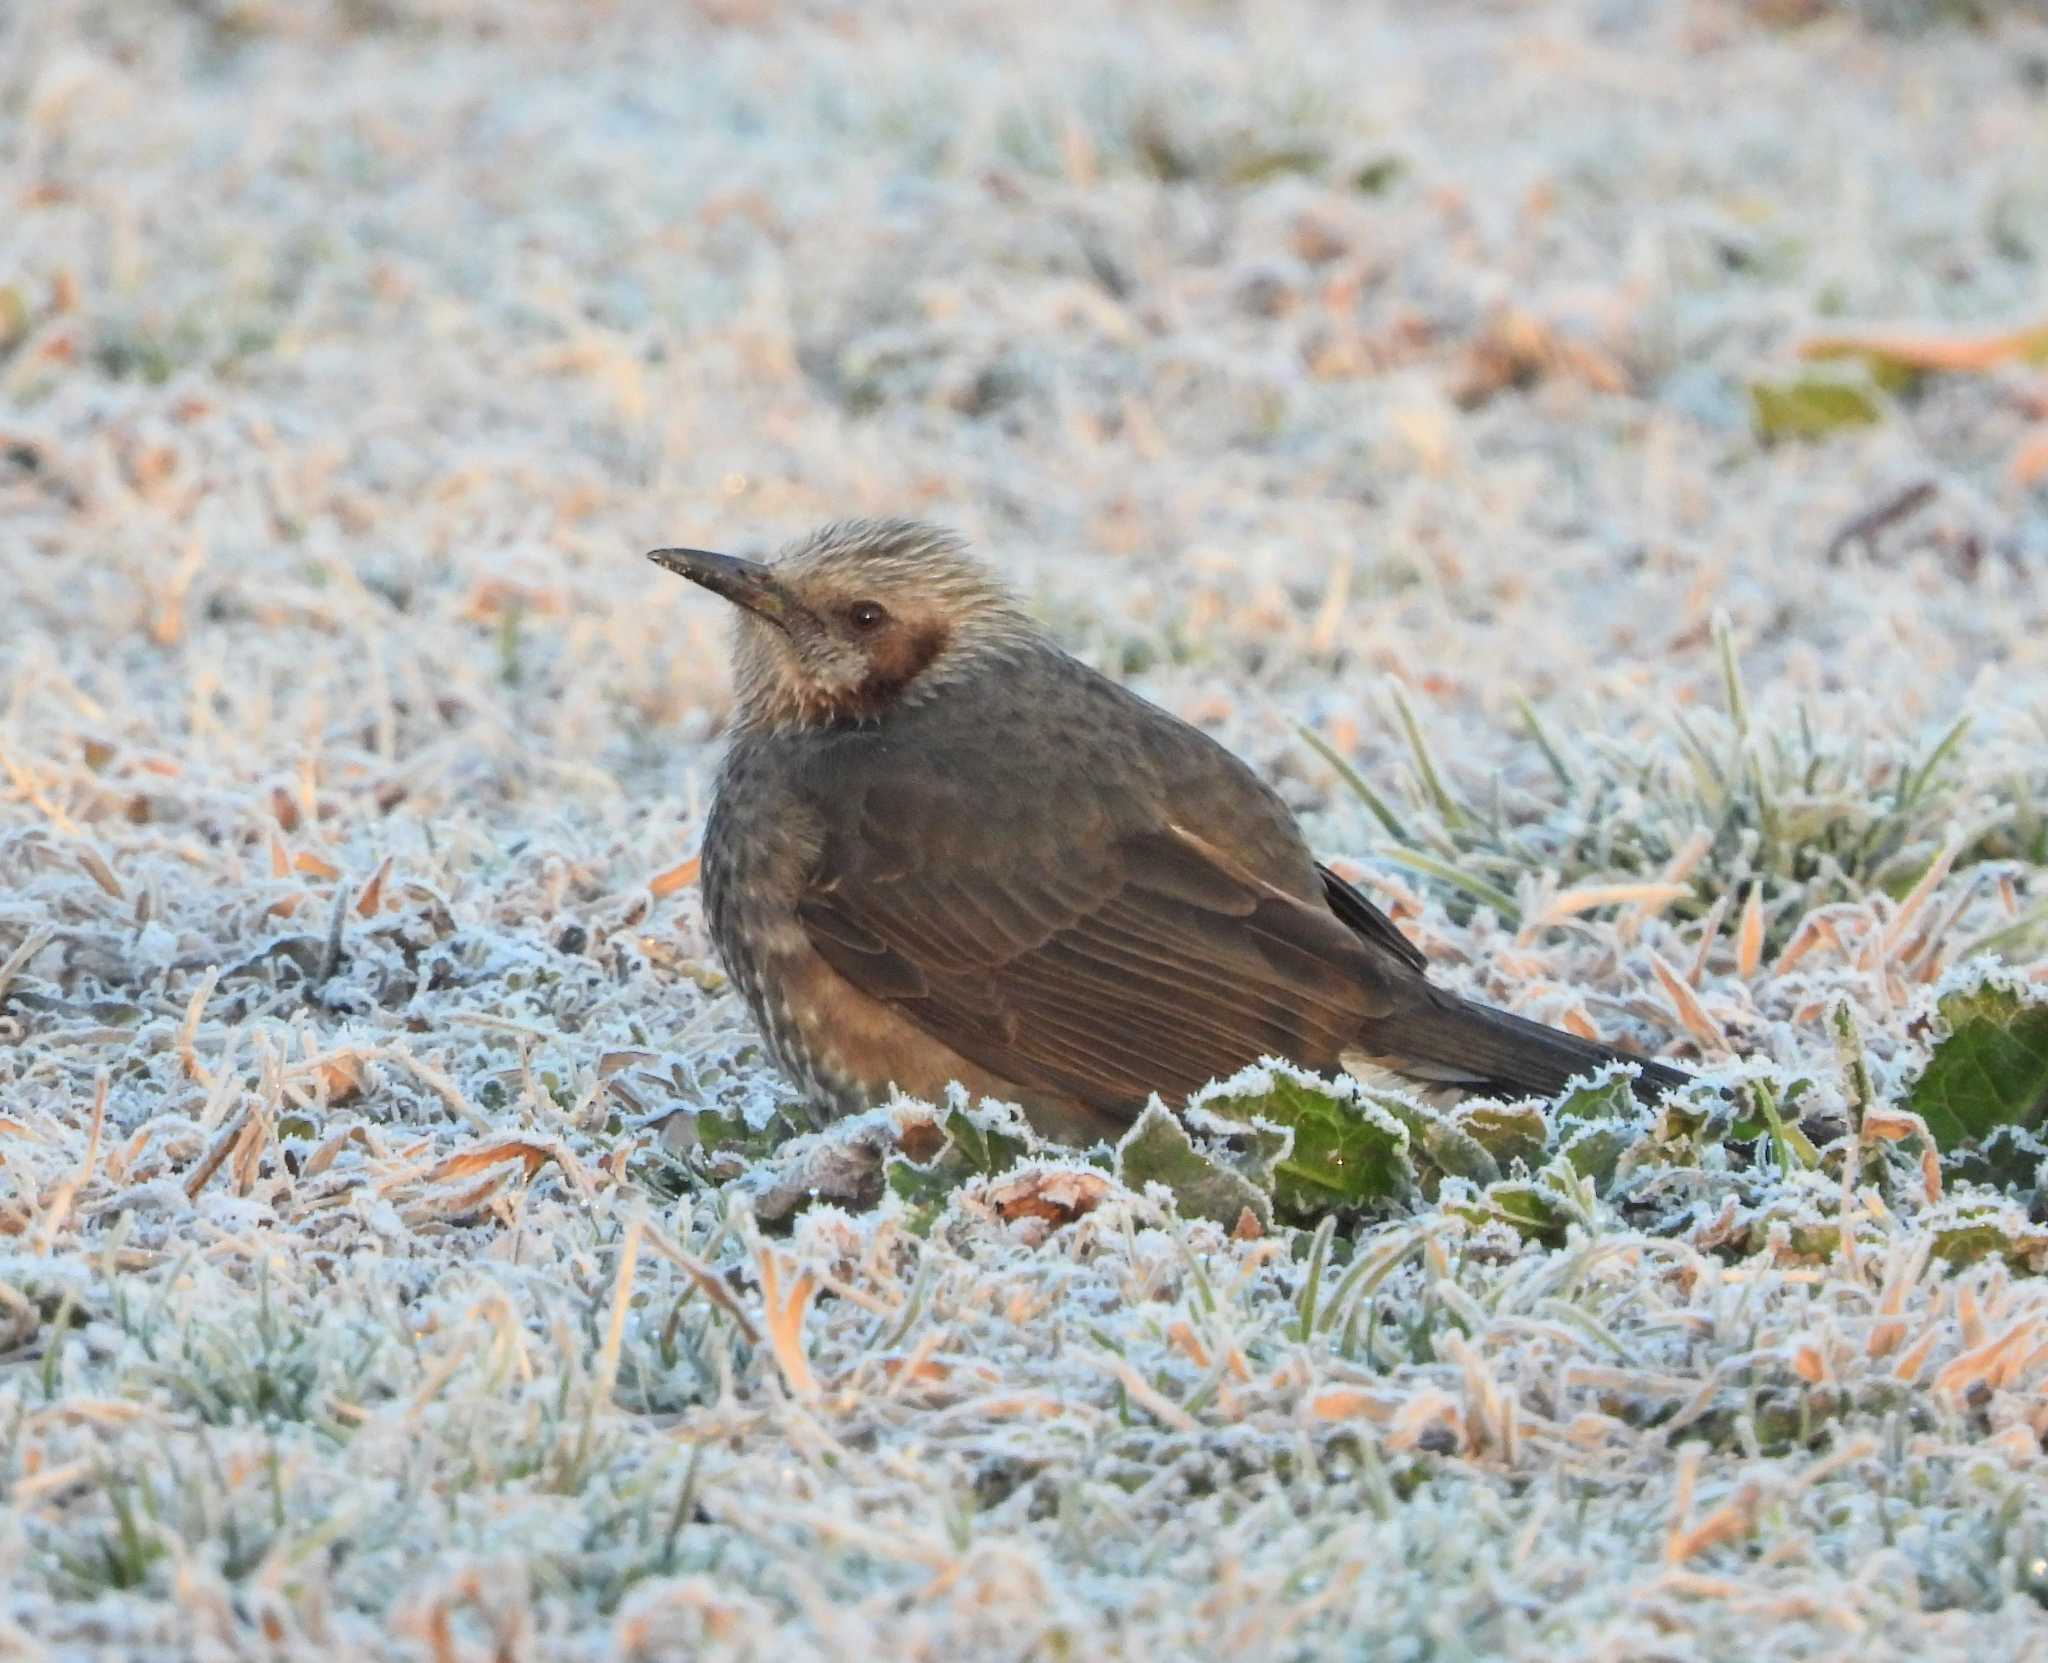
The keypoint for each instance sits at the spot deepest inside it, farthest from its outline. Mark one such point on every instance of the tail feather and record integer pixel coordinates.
(1449, 1042)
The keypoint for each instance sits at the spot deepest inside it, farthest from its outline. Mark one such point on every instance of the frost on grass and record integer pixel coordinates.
(405, 1249)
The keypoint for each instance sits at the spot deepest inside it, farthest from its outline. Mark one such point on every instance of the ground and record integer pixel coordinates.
(1415, 386)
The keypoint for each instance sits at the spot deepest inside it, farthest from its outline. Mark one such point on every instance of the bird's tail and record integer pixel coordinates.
(1447, 1044)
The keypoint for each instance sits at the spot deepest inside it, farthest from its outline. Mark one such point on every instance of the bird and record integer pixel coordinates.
(944, 852)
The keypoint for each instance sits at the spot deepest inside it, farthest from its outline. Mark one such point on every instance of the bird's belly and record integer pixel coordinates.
(847, 1051)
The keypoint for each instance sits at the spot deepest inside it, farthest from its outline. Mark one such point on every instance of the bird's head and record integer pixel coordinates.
(854, 621)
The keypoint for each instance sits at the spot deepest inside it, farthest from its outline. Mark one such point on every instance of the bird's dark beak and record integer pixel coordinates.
(745, 583)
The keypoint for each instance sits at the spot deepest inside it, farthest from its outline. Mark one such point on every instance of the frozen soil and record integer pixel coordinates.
(359, 1293)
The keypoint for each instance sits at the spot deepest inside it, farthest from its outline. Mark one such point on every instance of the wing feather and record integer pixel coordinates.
(1371, 924)
(1154, 962)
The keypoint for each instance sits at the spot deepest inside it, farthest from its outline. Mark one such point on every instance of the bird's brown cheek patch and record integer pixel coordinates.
(893, 665)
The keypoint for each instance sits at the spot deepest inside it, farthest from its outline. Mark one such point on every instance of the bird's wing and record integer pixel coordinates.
(1149, 960)
(1367, 921)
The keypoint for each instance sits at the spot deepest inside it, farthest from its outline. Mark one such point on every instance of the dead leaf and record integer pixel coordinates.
(1058, 1196)
(340, 1075)
(324, 1157)
(98, 870)
(467, 1161)
(921, 1141)
(372, 897)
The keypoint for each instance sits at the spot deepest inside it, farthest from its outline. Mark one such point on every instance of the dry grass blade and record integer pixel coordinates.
(188, 1031)
(708, 1281)
(1919, 348)
(31, 944)
(1749, 935)
(1710, 934)
(782, 1317)
(680, 876)
(435, 1079)
(622, 1304)
(1570, 903)
(217, 1153)
(1147, 1397)
(1692, 1015)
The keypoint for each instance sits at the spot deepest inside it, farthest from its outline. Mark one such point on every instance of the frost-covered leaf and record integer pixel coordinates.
(714, 1134)
(1597, 1124)
(1509, 1132)
(1348, 1149)
(1608, 1099)
(1254, 1149)
(1967, 1231)
(1051, 1196)
(923, 1190)
(1158, 1150)
(981, 1145)
(1971, 1242)
(1529, 1206)
(843, 1166)
(1991, 1067)
(1595, 1148)
(2009, 1159)
(973, 1146)
(1441, 1148)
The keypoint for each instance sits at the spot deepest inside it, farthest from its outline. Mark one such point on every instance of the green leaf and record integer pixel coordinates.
(1610, 1100)
(983, 1148)
(1379, 175)
(14, 316)
(1966, 1244)
(1255, 1149)
(1441, 1149)
(1597, 1124)
(722, 1134)
(924, 1190)
(1810, 407)
(1158, 1150)
(1532, 1209)
(972, 1148)
(1509, 1132)
(1693, 1113)
(1595, 1148)
(1991, 1068)
(2008, 1159)
(1348, 1150)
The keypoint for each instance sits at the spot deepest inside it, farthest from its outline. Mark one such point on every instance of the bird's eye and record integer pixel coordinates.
(866, 615)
